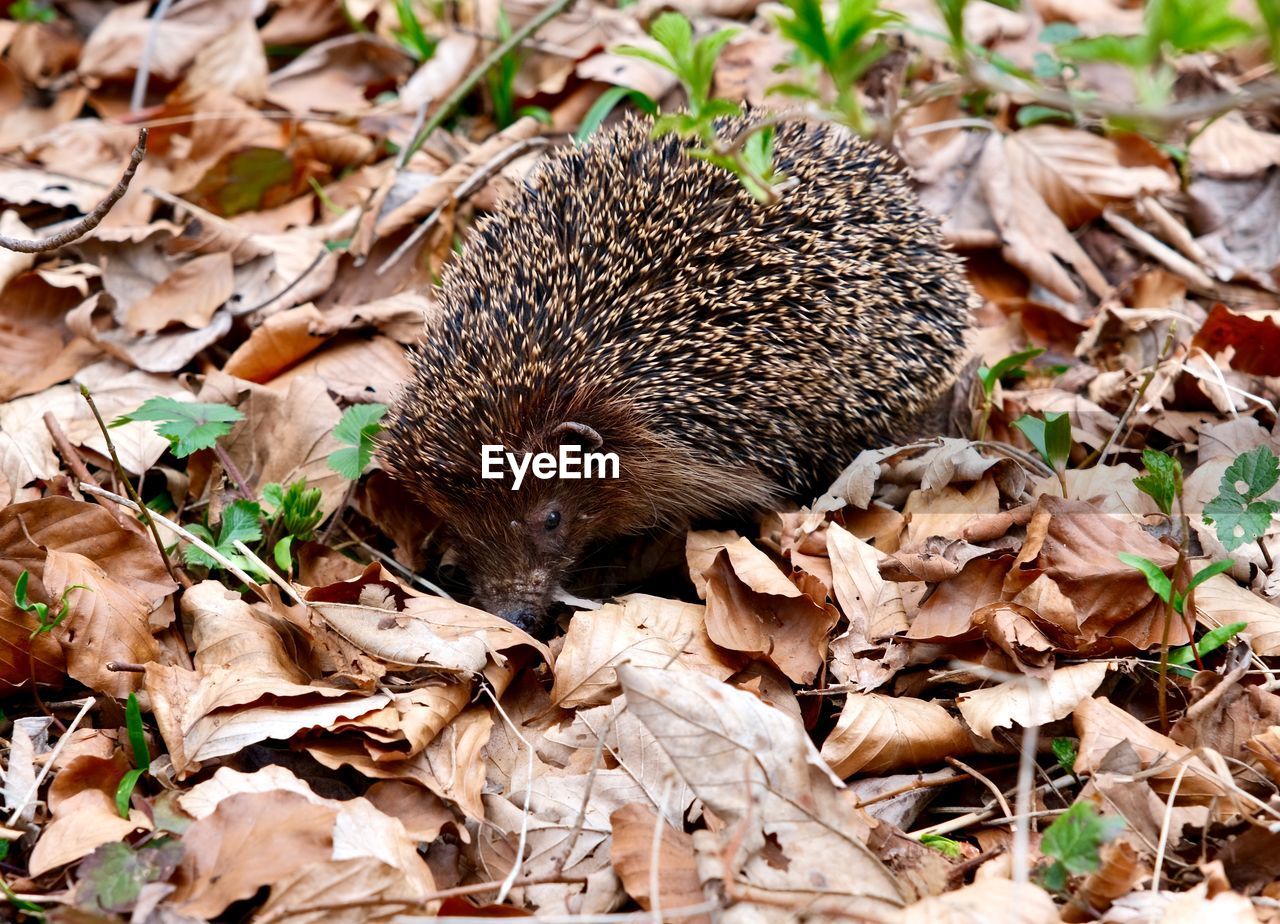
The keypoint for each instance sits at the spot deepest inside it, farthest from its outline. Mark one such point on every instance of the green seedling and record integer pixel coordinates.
(44, 623)
(1239, 513)
(1011, 367)
(1051, 437)
(187, 425)
(1073, 841)
(141, 756)
(358, 429)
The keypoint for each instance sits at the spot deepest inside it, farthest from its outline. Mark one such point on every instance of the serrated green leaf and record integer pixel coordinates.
(358, 428)
(1075, 836)
(1237, 521)
(673, 32)
(1163, 480)
(1157, 580)
(1252, 474)
(187, 425)
(1065, 751)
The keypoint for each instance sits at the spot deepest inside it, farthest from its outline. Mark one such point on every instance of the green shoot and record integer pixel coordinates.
(32, 11)
(1072, 841)
(1011, 367)
(1051, 437)
(187, 426)
(141, 755)
(1160, 584)
(358, 429)
(606, 103)
(41, 610)
(295, 510)
(410, 34)
(1239, 513)
(944, 845)
(1210, 642)
(1065, 751)
(240, 521)
(1163, 480)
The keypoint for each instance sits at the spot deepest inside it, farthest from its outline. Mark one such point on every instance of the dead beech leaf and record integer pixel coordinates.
(107, 620)
(872, 605)
(643, 630)
(1230, 148)
(1034, 238)
(763, 772)
(754, 608)
(83, 823)
(1079, 173)
(427, 631)
(1253, 342)
(188, 296)
(882, 734)
(1221, 601)
(1031, 702)
(277, 344)
(632, 855)
(988, 901)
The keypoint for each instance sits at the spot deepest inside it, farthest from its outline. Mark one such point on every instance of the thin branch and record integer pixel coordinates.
(454, 99)
(138, 506)
(395, 565)
(90, 221)
(276, 579)
(233, 472)
(187, 535)
(139, 97)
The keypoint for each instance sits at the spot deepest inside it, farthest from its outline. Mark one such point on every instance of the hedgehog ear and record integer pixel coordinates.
(570, 431)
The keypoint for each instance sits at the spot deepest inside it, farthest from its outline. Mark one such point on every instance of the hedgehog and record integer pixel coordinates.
(635, 302)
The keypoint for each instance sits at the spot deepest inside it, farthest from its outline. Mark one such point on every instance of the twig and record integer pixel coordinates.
(138, 506)
(581, 818)
(454, 99)
(187, 535)
(985, 781)
(1158, 250)
(269, 572)
(465, 189)
(76, 463)
(143, 77)
(395, 565)
(510, 881)
(1164, 827)
(1018, 455)
(233, 472)
(293, 283)
(1026, 776)
(49, 761)
(1137, 395)
(90, 221)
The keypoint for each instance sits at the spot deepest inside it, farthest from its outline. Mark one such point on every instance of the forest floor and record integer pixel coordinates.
(1023, 674)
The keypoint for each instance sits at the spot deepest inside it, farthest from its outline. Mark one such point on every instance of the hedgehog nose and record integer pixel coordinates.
(521, 615)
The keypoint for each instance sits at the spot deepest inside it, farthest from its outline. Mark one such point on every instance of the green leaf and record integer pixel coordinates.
(1059, 32)
(1075, 836)
(124, 792)
(295, 507)
(358, 428)
(410, 35)
(663, 61)
(282, 553)
(1132, 51)
(1050, 435)
(1163, 480)
(1009, 367)
(1065, 751)
(32, 11)
(1211, 641)
(944, 845)
(674, 33)
(137, 733)
(241, 519)
(1238, 521)
(1157, 580)
(1207, 572)
(187, 425)
(1252, 474)
(111, 878)
(606, 103)
(1039, 115)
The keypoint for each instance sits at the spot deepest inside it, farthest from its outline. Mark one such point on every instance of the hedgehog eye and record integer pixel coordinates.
(552, 521)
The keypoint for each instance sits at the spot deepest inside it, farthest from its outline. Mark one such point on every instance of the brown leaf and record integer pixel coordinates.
(633, 857)
(988, 901)
(1028, 703)
(883, 734)
(189, 295)
(83, 823)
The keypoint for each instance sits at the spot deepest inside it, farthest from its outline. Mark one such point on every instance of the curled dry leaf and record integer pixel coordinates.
(1079, 173)
(643, 630)
(882, 734)
(1031, 702)
(765, 780)
(872, 605)
(754, 608)
(633, 858)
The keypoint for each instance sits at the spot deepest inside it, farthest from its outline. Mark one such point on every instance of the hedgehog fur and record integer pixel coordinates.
(730, 353)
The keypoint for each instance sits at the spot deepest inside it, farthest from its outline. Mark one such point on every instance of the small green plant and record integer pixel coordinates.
(141, 755)
(44, 623)
(1163, 480)
(241, 520)
(1239, 513)
(750, 158)
(944, 845)
(32, 11)
(1072, 841)
(1162, 586)
(1210, 642)
(187, 425)
(293, 511)
(843, 46)
(358, 428)
(1051, 437)
(606, 102)
(410, 34)
(502, 83)
(1011, 367)
(1065, 751)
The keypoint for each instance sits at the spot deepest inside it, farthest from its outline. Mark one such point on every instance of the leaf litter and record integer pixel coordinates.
(938, 691)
